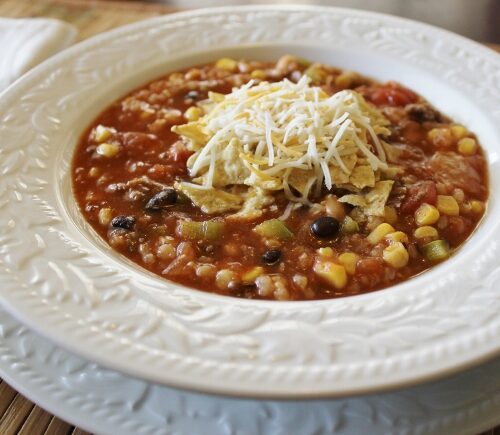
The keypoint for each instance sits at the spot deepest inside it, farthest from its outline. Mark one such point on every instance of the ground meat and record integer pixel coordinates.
(453, 169)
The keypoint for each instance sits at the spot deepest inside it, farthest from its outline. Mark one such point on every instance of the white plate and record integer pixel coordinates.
(59, 278)
(106, 402)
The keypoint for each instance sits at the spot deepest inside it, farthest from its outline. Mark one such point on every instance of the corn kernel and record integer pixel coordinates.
(333, 274)
(396, 255)
(467, 146)
(426, 214)
(390, 215)
(166, 251)
(192, 114)
(108, 149)
(447, 205)
(93, 172)
(476, 206)
(426, 231)
(326, 252)
(224, 277)
(379, 233)
(105, 216)
(258, 74)
(397, 236)
(440, 137)
(251, 275)
(102, 133)
(349, 260)
(458, 131)
(227, 64)
(205, 271)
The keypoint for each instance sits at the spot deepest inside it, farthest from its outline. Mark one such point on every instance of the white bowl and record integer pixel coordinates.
(57, 276)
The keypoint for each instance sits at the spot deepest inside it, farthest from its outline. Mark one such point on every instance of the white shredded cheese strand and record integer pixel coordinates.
(326, 173)
(288, 210)
(286, 126)
(269, 140)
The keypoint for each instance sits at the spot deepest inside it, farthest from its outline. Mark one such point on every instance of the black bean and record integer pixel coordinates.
(125, 222)
(271, 256)
(325, 227)
(234, 285)
(420, 112)
(162, 199)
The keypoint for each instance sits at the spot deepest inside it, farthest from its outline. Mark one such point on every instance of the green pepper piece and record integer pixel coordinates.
(436, 251)
(274, 229)
(206, 230)
(349, 226)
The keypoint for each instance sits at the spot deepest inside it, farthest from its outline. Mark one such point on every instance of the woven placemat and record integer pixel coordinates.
(90, 17)
(17, 414)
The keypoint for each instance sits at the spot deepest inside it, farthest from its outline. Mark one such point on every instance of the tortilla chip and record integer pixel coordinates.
(192, 131)
(255, 201)
(354, 199)
(377, 197)
(372, 203)
(338, 176)
(362, 176)
(337, 173)
(393, 154)
(299, 178)
(267, 185)
(216, 97)
(210, 200)
(392, 172)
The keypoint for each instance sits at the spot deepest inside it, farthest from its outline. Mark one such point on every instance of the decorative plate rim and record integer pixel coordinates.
(52, 377)
(89, 301)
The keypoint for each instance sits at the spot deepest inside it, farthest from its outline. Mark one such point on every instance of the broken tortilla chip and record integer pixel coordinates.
(210, 200)
(372, 202)
(253, 205)
(362, 176)
(192, 131)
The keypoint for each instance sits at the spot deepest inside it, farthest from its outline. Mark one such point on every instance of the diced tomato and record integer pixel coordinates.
(413, 132)
(370, 266)
(392, 94)
(423, 191)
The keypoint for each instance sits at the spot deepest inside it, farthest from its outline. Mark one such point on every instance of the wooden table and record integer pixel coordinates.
(17, 414)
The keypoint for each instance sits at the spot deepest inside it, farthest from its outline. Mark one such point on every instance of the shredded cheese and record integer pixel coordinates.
(285, 126)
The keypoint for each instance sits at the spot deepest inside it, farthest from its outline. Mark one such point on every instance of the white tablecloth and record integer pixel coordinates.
(24, 43)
